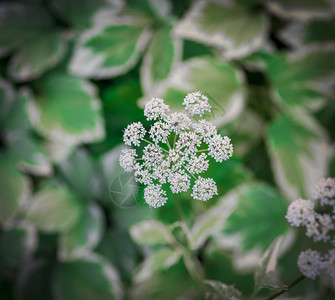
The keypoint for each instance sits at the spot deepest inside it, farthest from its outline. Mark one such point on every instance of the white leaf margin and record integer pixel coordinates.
(108, 270)
(86, 64)
(179, 80)
(94, 237)
(247, 261)
(313, 169)
(146, 77)
(58, 135)
(300, 14)
(188, 29)
(137, 229)
(26, 72)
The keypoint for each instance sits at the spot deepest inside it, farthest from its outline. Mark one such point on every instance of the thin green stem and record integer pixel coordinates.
(175, 139)
(203, 150)
(189, 173)
(292, 284)
(156, 145)
(168, 144)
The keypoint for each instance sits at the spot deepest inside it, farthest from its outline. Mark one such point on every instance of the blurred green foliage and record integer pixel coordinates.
(74, 74)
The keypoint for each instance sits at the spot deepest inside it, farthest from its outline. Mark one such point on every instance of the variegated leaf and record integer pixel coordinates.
(67, 110)
(225, 24)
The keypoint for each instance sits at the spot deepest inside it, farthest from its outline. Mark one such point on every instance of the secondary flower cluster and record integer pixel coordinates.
(319, 226)
(176, 152)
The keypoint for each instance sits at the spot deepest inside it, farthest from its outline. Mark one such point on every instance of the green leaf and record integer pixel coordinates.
(163, 53)
(171, 283)
(31, 157)
(104, 52)
(313, 31)
(210, 222)
(161, 259)
(86, 279)
(151, 233)
(54, 209)
(303, 78)
(236, 28)
(67, 110)
(79, 13)
(231, 175)
(120, 250)
(222, 83)
(301, 9)
(16, 121)
(14, 186)
(78, 171)
(16, 245)
(266, 274)
(259, 217)
(84, 235)
(299, 152)
(32, 60)
(28, 30)
(216, 260)
(193, 266)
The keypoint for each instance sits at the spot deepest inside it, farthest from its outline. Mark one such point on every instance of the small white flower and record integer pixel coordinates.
(133, 134)
(179, 121)
(152, 156)
(155, 109)
(204, 189)
(154, 195)
(127, 159)
(188, 142)
(299, 211)
(318, 227)
(175, 160)
(220, 148)
(329, 263)
(143, 176)
(310, 263)
(198, 164)
(159, 132)
(179, 182)
(206, 130)
(196, 104)
(325, 191)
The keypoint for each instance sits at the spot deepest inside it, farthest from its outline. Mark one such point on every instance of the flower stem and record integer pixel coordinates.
(292, 284)
(189, 173)
(156, 145)
(203, 150)
(175, 139)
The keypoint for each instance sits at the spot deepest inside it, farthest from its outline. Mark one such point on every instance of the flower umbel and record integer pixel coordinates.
(319, 226)
(176, 150)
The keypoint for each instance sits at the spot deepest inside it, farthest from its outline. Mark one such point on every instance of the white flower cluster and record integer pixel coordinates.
(319, 225)
(176, 152)
(311, 263)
